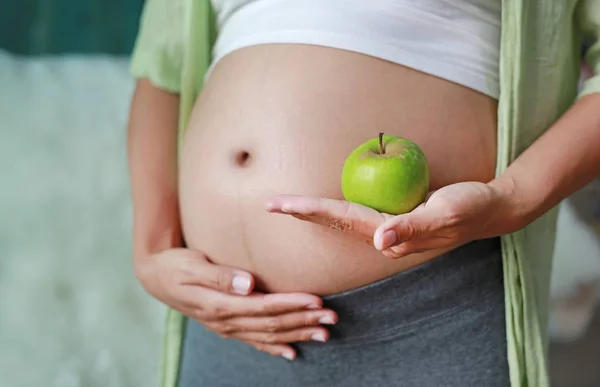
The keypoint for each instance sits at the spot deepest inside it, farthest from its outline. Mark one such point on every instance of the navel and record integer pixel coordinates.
(242, 158)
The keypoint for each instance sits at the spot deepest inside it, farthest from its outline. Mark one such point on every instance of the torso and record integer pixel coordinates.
(298, 110)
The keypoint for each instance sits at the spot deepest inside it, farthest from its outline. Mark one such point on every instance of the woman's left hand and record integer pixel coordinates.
(450, 217)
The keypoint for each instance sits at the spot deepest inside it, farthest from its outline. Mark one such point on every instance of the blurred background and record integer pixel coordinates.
(71, 311)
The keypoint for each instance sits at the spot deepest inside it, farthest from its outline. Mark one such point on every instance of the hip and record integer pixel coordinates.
(441, 323)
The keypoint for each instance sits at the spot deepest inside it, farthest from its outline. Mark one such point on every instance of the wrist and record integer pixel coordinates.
(511, 209)
(163, 236)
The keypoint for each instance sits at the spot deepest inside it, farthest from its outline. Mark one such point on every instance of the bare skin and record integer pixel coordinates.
(184, 278)
(262, 132)
(280, 119)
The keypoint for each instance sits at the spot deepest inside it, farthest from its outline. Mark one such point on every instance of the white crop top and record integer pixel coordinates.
(457, 40)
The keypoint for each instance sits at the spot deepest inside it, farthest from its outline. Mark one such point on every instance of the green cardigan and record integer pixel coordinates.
(539, 70)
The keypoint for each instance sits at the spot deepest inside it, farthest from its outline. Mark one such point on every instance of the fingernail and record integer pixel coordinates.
(318, 337)
(240, 284)
(312, 306)
(288, 355)
(387, 239)
(326, 320)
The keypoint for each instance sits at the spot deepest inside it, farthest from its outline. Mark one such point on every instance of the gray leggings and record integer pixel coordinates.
(439, 324)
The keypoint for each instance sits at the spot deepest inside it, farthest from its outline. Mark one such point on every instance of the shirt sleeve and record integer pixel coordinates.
(588, 15)
(158, 50)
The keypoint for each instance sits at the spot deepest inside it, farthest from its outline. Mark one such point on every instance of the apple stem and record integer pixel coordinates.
(381, 149)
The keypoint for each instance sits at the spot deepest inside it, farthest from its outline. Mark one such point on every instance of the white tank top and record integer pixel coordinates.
(457, 40)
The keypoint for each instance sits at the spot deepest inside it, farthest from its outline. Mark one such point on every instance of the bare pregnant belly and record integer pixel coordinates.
(279, 119)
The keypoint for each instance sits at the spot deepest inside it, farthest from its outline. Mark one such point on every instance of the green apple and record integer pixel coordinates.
(389, 174)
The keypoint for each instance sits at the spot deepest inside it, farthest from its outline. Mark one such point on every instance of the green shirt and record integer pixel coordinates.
(539, 72)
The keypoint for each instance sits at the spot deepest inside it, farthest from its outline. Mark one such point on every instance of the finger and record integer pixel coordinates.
(420, 246)
(283, 322)
(292, 336)
(214, 305)
(401, 251)
(197, 270)
(403, 228)
(337, 214)
(285, 351)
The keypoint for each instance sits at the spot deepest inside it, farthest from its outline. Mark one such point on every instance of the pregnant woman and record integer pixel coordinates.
(241, 229)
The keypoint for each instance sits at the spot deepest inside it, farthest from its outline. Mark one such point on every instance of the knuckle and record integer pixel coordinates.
(219, 313)
(273, 324)
(411, 230)
(186, 267)
(183, 265)
(217, 329)
(199, 313)
(243, 328)
(451, 226)
(265, 308)
(452, 218)
(309, 319)
(270, 338)
(340, 224)
(202, 314)
(223, 279)
(226, 329)
(209, 312)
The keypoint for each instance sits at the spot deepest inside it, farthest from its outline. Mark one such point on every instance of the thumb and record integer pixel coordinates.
(199, 270)
(403, 228)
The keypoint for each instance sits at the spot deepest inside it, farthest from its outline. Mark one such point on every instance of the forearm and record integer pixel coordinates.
(560, 162)
(152, 150)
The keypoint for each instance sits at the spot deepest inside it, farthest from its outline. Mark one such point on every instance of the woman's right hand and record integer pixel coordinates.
(222, 299)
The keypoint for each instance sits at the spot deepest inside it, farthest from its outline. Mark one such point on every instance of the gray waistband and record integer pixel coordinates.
(442, 286)
(439, 324)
